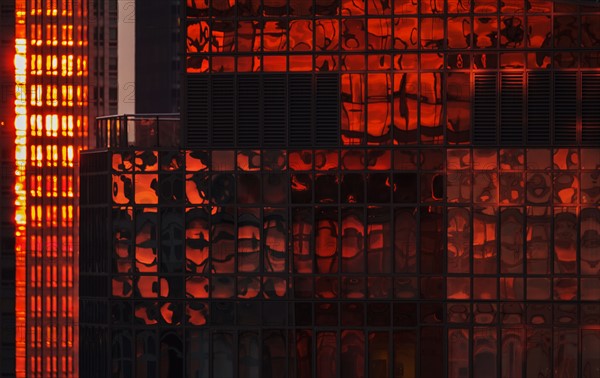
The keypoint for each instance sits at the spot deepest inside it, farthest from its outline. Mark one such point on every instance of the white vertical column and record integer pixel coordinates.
(126, 60)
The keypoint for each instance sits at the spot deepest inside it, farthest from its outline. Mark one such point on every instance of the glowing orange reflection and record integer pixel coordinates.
(48, 132)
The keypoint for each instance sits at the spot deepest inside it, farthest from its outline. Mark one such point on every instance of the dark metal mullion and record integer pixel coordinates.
(209, 274)
(109, 274)
(314, 331)
(365, 273)
(417, 274)
(471, 304)
(444, 273)
(313, 208)
(235, 330)
(390, 347)
(497, 274)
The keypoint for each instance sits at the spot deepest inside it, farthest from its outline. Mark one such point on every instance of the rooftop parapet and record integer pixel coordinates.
(138, 130)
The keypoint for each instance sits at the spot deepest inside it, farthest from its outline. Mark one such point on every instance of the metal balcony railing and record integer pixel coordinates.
(138, 130)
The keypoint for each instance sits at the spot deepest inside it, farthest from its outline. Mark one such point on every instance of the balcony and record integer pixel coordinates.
(138, 130)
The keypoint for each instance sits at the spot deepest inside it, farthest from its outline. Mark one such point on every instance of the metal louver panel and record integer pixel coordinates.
(539, 95)
(327, 113)
(264, 110)
(197, 111)
(223, 111)
(565, 107)
(590, 109)
(511, 109)
(248, 111)
(485, 109)
(300, 110)
(274, 110)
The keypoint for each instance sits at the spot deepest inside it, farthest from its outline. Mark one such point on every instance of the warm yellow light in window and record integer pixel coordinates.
(36, 124)
(36, 95)
(38, 185)
(81, 94)
(67, 156)
(35, 34)
(67, 95)
(52, 185)
(81, 66)
(82, 126)
(67, 243)
(51, 216)
(70, 187)
(52, 35)
(36, 64)
(51, 95)
(83, 31)
(35, 184)
(37, 157)
(66, 63)
(51, 65)
(66, 8)
(67, 186)
(36, 216)
(21, 140)
(21, 153)
(20, 216)
(51, 155)
(52, 125)
(36, 11)
(21, 122)
(20, 110)
(20, 99)
(37, 24)
(67, 216)
(20, 14)
(51, 8)
(66, 125)
(20, 64)
(66, 35)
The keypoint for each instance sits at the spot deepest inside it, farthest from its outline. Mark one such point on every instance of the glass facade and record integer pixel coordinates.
(51, 105)
(382, 189)
(7, 193)
(419, 72)
(405, 263)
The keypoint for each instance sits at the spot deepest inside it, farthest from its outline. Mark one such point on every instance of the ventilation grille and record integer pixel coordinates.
(485, 109)
(275, 111)
(565, 107)
(197, 111)
(248, 110)
(590, 109)
(301, 110)
(263, 110)
(327, 111)
(511, 105)
(223, 111)
(539, 89)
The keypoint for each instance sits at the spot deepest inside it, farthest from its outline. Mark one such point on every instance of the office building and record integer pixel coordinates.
(7, 195)
(65, 72)
(51, 106)
(402, 189)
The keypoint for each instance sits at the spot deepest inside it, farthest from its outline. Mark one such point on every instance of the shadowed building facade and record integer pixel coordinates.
(403, 189)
